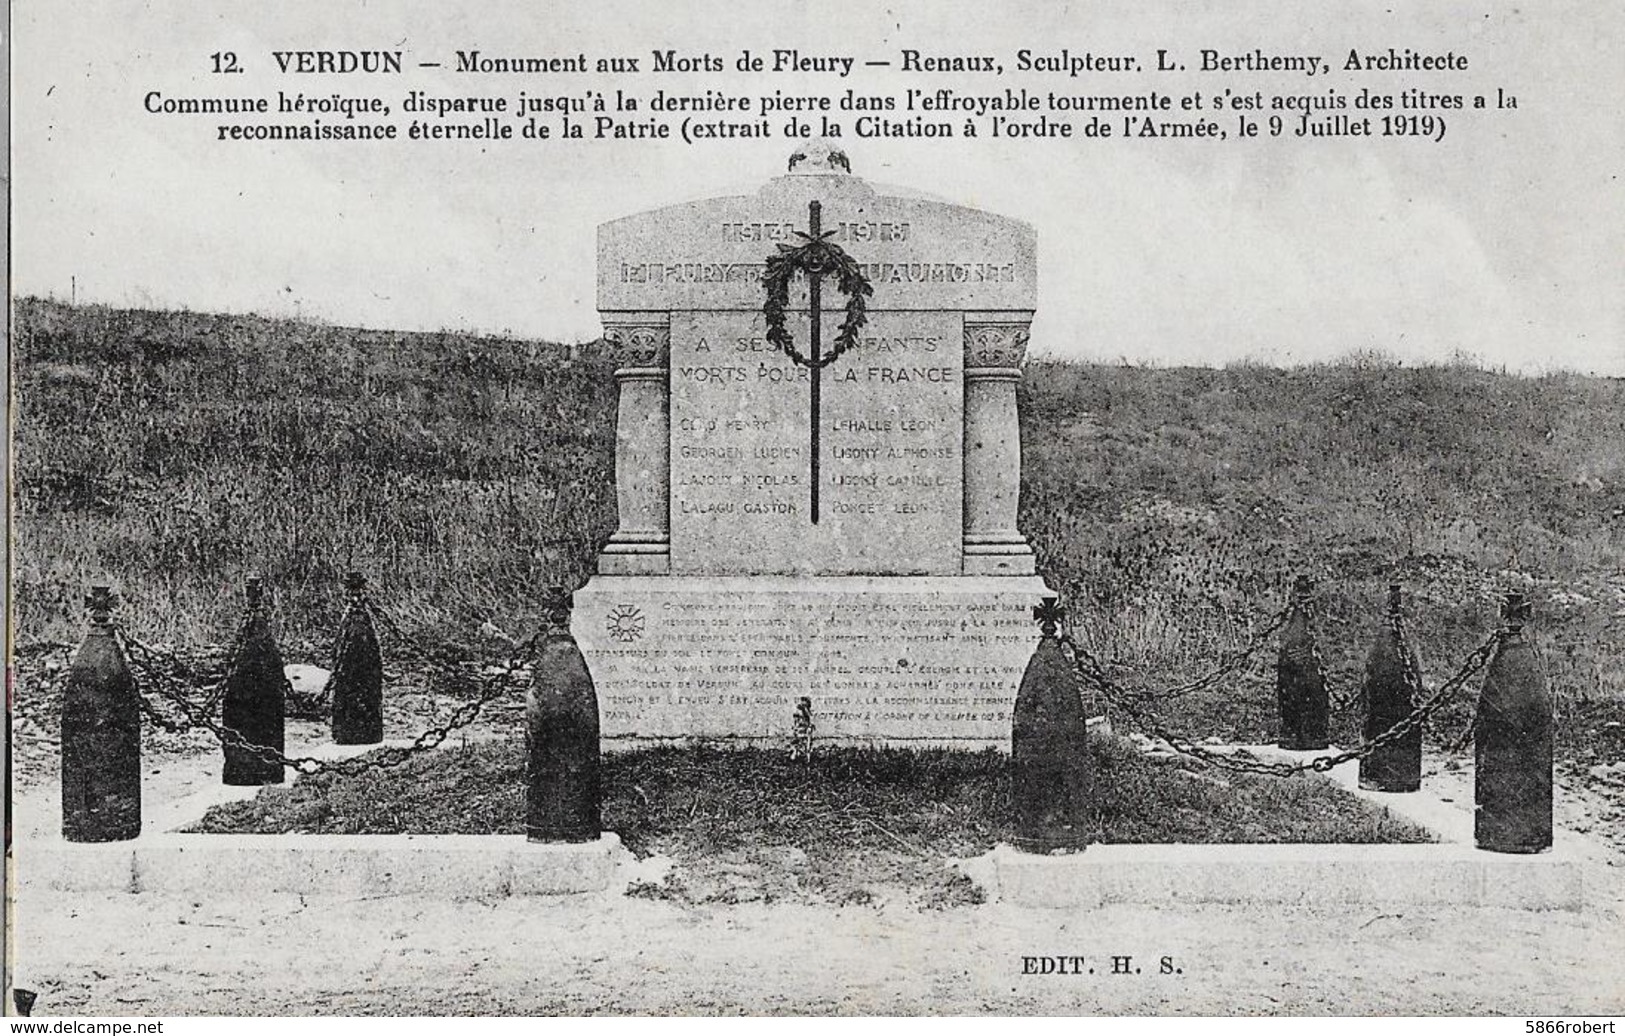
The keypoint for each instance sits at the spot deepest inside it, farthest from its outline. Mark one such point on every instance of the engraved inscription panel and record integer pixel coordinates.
(890, 470)
(727, 662)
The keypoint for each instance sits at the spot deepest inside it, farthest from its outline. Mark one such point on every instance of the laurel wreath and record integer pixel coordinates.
(817, 256)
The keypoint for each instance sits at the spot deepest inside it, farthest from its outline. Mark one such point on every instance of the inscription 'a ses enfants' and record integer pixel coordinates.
(887, 344)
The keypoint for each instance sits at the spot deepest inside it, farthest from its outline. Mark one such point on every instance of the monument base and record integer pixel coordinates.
(1007, 555)
(915, 660)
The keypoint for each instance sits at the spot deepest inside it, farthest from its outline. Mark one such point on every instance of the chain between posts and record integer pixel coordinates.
(1228, 665)
(1091, 670)
(1342, 701)
(144, 662)
(136, 651)
(1236, 661)
(1407, 658)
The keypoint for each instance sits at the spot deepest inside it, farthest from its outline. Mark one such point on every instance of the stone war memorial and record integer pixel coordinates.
(818, 466)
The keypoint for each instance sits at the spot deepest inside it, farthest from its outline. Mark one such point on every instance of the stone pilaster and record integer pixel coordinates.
(642, 347)
(994, 346)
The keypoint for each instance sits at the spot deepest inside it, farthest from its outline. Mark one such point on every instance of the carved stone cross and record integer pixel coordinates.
(815, 306)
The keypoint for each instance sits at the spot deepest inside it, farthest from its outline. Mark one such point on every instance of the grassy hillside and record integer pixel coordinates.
(175, 452)
(1176, 505)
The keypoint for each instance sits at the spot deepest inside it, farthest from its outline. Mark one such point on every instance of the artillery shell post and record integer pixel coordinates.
(1300, 681)
(358, 672)
(1392, 690)
(562, 794)
(1052, 775)
(1512, 736)
(101, 736)
(253, 703)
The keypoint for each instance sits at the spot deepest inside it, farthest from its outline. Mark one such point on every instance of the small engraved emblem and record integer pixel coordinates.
(624, 623)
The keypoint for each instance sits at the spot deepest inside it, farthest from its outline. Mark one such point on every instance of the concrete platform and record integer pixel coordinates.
(452, 866)
(1451, 872)
(1374, 875)
(164, 859)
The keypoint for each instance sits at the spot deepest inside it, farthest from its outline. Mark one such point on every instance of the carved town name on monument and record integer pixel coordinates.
(840, 528)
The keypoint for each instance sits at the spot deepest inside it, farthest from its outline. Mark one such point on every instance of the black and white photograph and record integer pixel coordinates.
(843, 509)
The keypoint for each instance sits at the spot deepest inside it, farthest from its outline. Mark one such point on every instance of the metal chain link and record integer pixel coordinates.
(145, 663)
(1090, 669)
(410, 647)
(1413, 677)
(1236, 661)
(1229, 665)
(1465, 738)
(1339, 699)
(1343, 700)
(142, 663)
